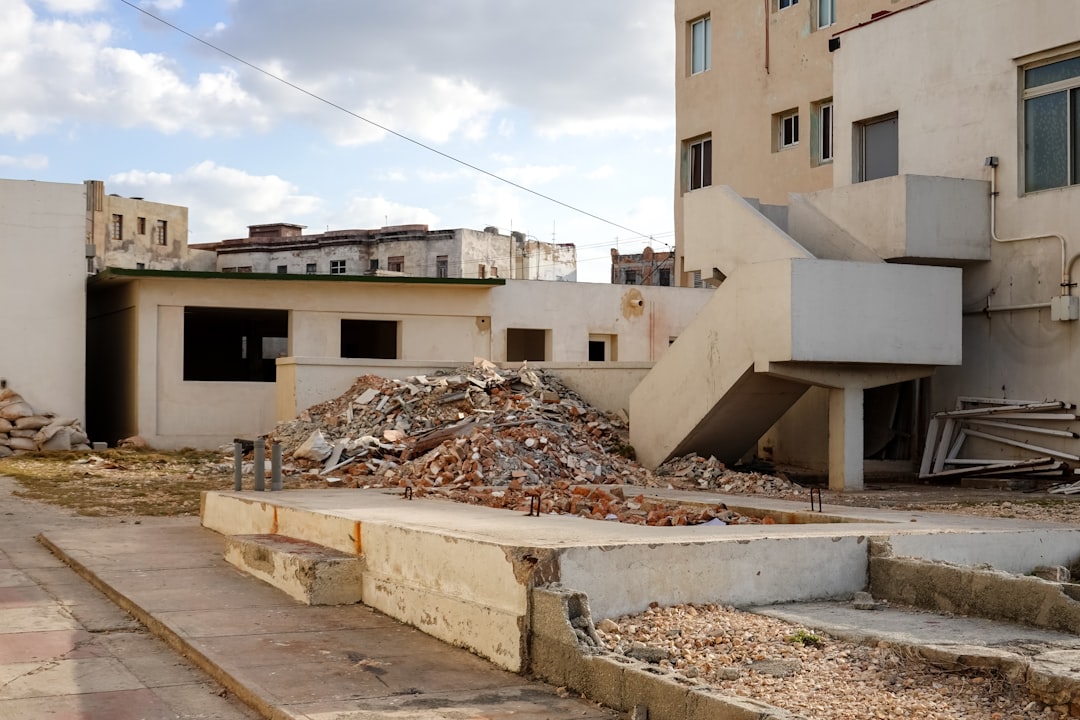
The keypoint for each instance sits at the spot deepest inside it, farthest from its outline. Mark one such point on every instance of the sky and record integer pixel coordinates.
(573, 99)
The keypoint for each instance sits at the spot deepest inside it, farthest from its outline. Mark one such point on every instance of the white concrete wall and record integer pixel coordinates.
(958, 95)
(43, 237)
(439, 325)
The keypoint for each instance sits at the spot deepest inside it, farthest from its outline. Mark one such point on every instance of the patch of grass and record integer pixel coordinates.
(119, 482)
(806, 638)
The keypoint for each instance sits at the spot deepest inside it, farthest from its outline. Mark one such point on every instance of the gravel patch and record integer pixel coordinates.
(811, 673)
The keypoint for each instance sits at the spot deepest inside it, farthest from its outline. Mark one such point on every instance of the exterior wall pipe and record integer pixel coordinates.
(1066, 283)
(275, 466)
(260, 464)
(1007, 308)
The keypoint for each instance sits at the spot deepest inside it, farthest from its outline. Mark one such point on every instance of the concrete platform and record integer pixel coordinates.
(311, 573)
(288, 660)
(463, 573)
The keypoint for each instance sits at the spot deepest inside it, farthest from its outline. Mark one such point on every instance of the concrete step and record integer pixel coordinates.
(311, 573)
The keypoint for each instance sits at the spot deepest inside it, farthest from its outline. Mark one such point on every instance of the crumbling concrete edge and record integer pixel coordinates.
(565, 650)
(171, 638)
(973, 591)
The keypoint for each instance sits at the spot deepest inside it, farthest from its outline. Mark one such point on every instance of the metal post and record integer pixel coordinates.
(238, 466)
(260, 464)
(275, 466)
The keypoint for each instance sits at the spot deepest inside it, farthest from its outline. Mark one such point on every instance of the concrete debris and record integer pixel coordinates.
(515, 439)
(23, 430)
(864, 601)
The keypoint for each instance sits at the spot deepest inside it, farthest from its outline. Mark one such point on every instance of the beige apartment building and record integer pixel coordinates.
(919, 251)
(754, 98)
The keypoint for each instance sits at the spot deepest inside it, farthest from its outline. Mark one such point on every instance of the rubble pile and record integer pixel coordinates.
(692, 472)
(24, 430)
(516, 439)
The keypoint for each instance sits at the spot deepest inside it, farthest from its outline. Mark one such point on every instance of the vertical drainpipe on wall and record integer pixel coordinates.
(768, 5)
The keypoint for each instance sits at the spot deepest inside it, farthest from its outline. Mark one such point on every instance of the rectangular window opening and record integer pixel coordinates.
(602, 348)
(282, 269)
(373, 339)
(233, 344)
(311, 269)
(373, 265)
(162, 232)
(140, 225)
(337, 267)
(826, 13)
(526, 344)
(822, 138)
(787, 129)
(1051, 118)
(700, 45)
(117, 228)
(396, 263)
(781, 4)
(442, 266)
(700, 152)
(878, 148)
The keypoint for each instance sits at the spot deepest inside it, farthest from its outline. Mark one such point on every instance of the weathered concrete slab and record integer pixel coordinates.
(305, 571)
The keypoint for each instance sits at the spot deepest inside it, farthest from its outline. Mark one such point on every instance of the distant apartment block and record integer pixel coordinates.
(645, 268)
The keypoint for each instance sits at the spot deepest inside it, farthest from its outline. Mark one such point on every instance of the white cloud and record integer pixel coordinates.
(601, 173)
(375, 212)
(222, 201)
(73, 6)
(54, 70)
(163, 5)
(32, 162)
(495, 203)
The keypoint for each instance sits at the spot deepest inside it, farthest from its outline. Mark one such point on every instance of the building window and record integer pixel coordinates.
(665, 277)
(826, 15)
(233, 344)
(602, 348)
(162, 231)
(337, 267)
(523, 344)
(140, 225)
(823, 152)
(396, 263)
(442, 266)
(140, 266)
(781, 4)
(369, 339)
(481, 271)
(245, 269)
(311, 269)
(117, 228)
(282, 269)
(787, 129)
(699, 164)
(629, 277)
(1052, 125)
(373, 265)
(878, 148)
(700, 45)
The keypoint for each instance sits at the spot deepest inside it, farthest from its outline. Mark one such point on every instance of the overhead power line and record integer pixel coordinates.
(402, 136)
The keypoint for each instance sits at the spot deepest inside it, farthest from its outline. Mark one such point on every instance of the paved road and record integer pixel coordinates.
(68, 653)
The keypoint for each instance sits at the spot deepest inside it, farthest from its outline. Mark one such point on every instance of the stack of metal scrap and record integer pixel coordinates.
(1014, 424)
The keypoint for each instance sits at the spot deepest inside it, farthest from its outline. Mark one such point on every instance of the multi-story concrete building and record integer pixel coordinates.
(644, 268)
(754, 99)
(918, 251)
(138, 234)
(411, 250)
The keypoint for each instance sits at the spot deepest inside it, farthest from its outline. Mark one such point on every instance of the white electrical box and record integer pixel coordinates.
(1065, 308)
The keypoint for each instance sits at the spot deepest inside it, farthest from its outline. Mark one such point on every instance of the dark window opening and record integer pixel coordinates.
(373, 265)
(234, 344)
(282, 269)
(665, 277)
(442, 266)
(311, 269)
(700, 164)
(524, 345)
(369, 339)
(879, 148)
(597, 351)
(396, 263)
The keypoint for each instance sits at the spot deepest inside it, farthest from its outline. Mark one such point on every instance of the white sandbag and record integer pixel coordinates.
(314, 448)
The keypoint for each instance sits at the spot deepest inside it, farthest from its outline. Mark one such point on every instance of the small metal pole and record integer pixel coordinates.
(814, 490)
(260, 464)
(275, 466)
(238, 467)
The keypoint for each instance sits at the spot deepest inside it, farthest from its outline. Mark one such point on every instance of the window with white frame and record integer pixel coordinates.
(826, 15)
(337, 267)
(781, 4)
(1052, 125)
(700, 45)
(787, 129)
(825, 132)
(699, 163)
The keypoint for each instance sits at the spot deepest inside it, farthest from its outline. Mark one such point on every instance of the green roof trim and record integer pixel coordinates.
(113, 274)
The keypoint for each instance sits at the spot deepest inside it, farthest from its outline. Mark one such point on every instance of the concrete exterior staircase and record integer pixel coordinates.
(823, 310)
